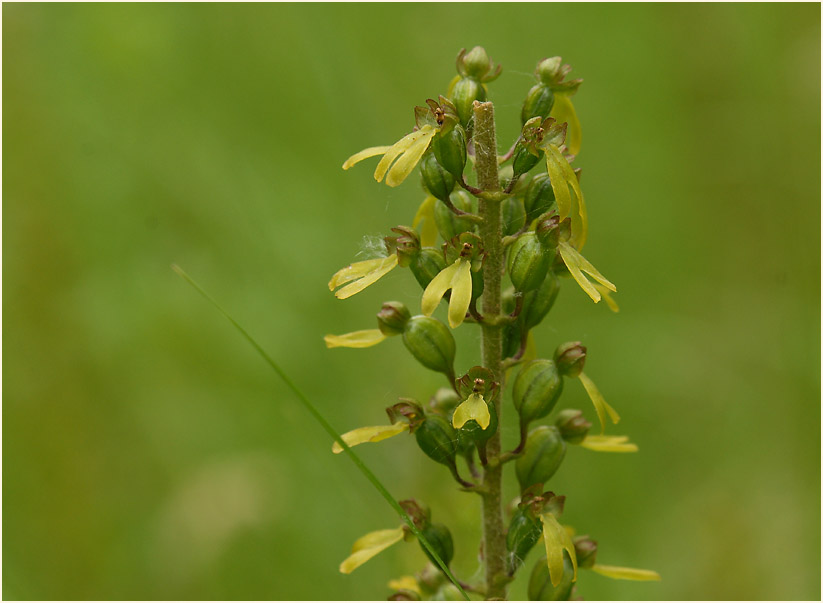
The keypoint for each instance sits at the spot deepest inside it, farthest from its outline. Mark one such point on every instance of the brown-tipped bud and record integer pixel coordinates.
(419, 513)
(406, 410)
(406, 244)
(573, 425)
(392, 318)
(570, 358)
(548, 231)
(586, 550)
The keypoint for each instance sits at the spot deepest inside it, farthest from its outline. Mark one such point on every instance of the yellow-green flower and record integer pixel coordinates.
(360, 275)
(405, 583)
(356, 339)
(456, 277)
(557, 539)
(563, 178)
(604, 443)
(600, 405)
(399, 159)
(626, 573)
(578, 265)
(376, 433)
(563, 111)
(425, 214)
(473, 407)
(368, 546)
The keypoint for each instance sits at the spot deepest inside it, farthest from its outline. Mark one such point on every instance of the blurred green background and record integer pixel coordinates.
(149, 453)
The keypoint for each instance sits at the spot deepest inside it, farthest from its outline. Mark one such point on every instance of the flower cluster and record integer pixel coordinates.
(495, 246)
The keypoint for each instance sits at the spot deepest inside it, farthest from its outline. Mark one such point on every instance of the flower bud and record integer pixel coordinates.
(406, 244)
(536, 390)
(540, 582)
(431, 342)
(440, 540)
(573, 425)
(529, 262)
(570, 358)
(437, 180)
(406, 410)
(450, 224)
(550, 71)
(539, 197)
(539, 102)
(514, 215)
(437, 439)
(586, 551)
(544, 453)
(475, 63)
(450, 150)
(444, 401)
(426, 265)
(467, 90)
(524, 532)
(419, 513)
(548, 231)
(392, 318)
(538, 303)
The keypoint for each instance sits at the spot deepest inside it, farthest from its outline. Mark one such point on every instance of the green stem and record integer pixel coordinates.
(485, 145)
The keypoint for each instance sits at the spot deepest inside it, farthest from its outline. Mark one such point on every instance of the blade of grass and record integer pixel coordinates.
(326, 426)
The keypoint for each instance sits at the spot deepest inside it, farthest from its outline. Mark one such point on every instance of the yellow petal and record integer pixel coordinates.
(461, 297)
(356, 339)
(437, 287)
(557, 540)
(563, 111)
(608, 297)
(354, 271)
(558, 182)
(473, 407)
(361, 435)
(404, 166)
(368, 546)
(405, 583)
(571, 259)
(394, 151)
(600, 405)
(425, 213)
(625, 573)
(603, 443)
(364, 154)
(580, 233)
(385, 266)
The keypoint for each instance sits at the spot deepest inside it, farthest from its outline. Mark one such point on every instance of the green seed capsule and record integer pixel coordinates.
(514, 215)
(536, 390)
(524, 532)
(437, 180)
(465, 92)
(523, 160)
(431, 342)
(536, 304)
(573, 425)
(450, 225)
(437, 439)
(540, 582)
(529, 262)
(539, 103)
(450, 150)
(544, 453)
(426, 265)
(440, 539)
(539, 197)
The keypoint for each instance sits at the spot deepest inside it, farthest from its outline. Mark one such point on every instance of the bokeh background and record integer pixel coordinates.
(149, 453)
